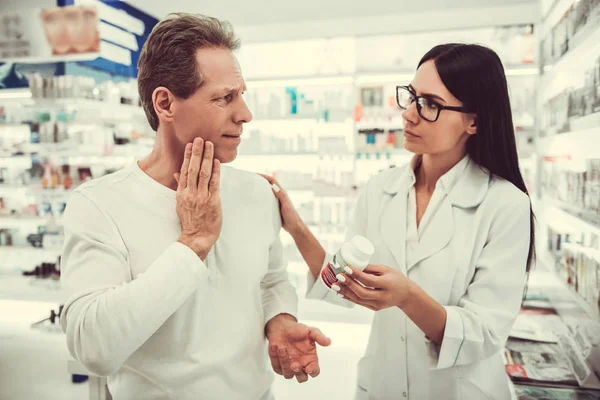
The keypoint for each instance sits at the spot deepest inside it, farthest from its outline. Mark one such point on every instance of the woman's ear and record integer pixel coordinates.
(162, 99)
(471, 128)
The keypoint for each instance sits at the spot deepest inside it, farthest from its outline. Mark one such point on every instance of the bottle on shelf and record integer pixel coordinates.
(55, 178)
(67, 180)
(47, 177)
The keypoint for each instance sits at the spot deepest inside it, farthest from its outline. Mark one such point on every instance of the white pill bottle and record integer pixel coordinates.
(355, 253)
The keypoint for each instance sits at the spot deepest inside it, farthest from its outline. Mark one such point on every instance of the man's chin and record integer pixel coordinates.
(227, 157)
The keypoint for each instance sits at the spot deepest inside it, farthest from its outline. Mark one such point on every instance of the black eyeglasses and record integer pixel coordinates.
(427, 108)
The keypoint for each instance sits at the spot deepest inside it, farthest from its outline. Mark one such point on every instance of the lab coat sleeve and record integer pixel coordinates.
(480, 324)
(278, 294)
(315, 288)
(108, 314)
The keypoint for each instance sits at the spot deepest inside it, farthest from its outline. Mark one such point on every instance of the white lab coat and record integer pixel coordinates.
(471, 259)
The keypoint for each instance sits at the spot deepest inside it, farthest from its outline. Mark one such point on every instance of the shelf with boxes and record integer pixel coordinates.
(569, 37)
(569, 94)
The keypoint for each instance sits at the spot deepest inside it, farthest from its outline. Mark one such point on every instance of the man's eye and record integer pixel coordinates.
(228, 98)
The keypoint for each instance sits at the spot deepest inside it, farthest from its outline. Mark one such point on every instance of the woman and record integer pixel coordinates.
(453, 235)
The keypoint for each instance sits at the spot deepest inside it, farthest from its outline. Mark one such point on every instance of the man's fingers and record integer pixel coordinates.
(183, 174)
(215, 179)
(301, 377)
(313, 369)
(318, 337)
(195, 161)
(284, 361)
(274, 356)
(206, 167)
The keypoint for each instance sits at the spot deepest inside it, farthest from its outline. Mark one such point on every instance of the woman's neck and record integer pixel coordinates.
(434, 166)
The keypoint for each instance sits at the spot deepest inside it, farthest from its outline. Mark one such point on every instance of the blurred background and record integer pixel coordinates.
(321, 77)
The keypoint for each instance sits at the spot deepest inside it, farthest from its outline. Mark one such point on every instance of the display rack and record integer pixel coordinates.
(567, 147)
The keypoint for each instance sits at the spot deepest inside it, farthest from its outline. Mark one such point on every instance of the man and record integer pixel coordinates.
(175, 274)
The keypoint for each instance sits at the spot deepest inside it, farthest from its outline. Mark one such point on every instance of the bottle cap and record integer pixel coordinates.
(360, 249)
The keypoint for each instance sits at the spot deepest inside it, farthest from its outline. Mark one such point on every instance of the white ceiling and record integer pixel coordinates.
(258, 12)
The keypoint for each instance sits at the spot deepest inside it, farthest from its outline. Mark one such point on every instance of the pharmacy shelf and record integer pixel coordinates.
(564, 217)
(37, 192)
(17, 222)
(558, 291)
(588, 122)
(585, 123)
(26, 256)
(15, 286)
(85, 104)
(17, 162)
(9, 190)
(316, 118)
(589, 217)
(50, 194)
(582, 144)
(282, 154)
(584, 49)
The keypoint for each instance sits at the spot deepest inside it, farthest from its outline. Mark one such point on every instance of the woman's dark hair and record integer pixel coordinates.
(474, 75)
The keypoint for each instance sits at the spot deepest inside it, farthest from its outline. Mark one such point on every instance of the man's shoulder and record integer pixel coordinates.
(105, 187)
(247, 182)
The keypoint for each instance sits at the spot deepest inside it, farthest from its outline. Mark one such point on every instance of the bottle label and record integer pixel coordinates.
(335, 267)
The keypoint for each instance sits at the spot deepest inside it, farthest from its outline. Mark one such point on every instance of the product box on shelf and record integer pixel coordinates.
(596, 86)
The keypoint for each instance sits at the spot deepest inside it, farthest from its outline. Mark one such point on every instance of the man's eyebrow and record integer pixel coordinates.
(231, 89)
(429, 95)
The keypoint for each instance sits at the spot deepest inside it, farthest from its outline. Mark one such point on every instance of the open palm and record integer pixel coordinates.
(293, 350)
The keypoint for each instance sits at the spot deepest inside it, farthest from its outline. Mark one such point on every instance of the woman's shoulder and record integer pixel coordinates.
(505, 194)
(389, 179)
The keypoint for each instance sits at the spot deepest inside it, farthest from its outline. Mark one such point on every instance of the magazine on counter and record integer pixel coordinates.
(537, 362)
(524, 392)
(537, 326)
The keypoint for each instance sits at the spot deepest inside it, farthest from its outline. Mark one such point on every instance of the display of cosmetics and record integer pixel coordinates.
(329, 104)
(579, 267)
(82, 87)
(579, 189)
(380, 139)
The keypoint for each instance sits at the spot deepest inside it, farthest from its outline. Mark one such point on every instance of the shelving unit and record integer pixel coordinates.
(14, 286)
(571, 149)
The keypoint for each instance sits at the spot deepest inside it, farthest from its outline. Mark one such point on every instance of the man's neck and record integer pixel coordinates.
(165, 159)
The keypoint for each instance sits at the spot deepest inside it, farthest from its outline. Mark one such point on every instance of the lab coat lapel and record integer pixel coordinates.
(393, 216)
(436, 236)
(469, 192)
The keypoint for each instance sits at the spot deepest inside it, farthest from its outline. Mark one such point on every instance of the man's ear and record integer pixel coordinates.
(162, 99)
(472, 124)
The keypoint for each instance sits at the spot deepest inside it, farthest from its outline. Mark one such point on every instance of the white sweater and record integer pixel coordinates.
(144, 310)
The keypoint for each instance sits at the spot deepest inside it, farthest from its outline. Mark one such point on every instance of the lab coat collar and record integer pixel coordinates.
(467, 187)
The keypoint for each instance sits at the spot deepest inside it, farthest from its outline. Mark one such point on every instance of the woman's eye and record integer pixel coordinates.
(431, 105)
(228, 98)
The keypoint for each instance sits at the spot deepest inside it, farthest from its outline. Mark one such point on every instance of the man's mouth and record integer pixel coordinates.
(233, 138)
